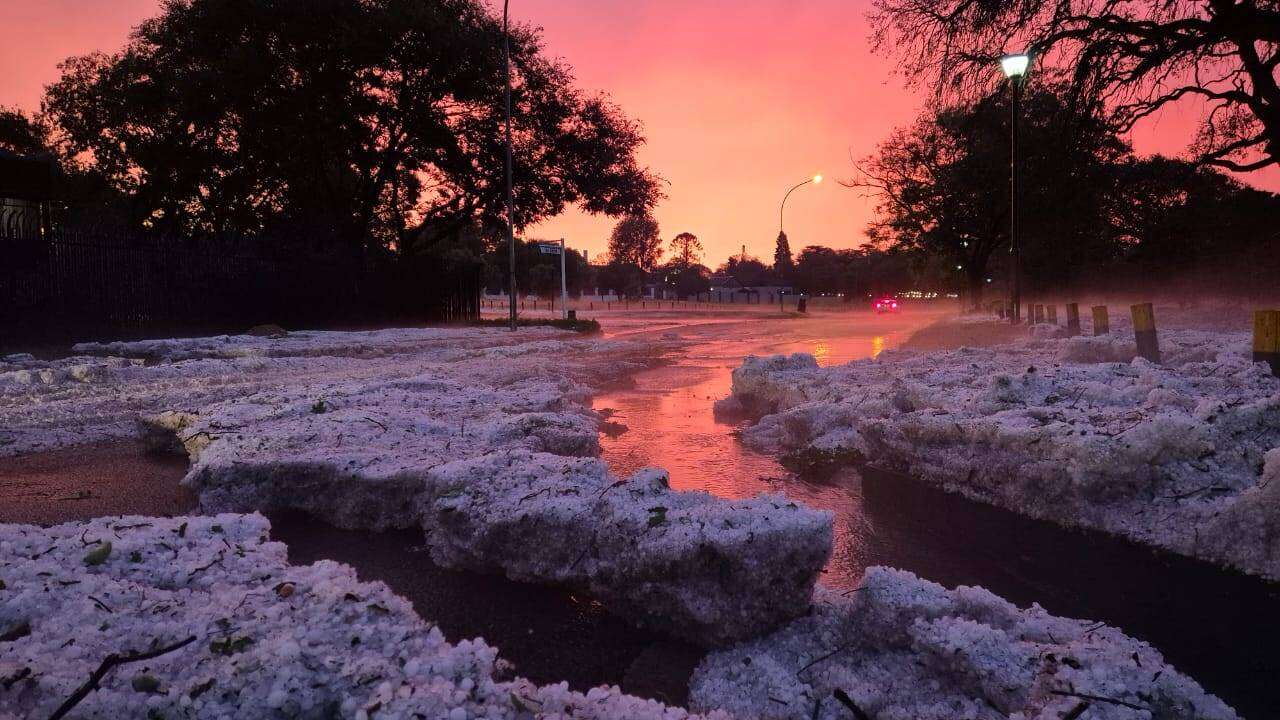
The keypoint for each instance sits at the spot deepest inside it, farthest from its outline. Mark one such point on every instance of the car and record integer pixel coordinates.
(885, 305)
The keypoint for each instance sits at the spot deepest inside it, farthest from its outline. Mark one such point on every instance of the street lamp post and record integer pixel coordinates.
(511, 215)
(816, 179)
(1015, 68)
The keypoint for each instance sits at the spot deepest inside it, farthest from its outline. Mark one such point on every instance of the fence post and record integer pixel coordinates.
(1266, 339)
(1073, 319)
(1144, 331)
(1053, 314)
(1101, 323)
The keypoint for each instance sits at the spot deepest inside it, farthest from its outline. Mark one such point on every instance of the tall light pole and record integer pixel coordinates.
(1015, 68)
(816, 179)
(511, 212)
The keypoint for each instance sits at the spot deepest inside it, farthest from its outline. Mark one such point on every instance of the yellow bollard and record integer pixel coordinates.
(1144, 331)
(1266, 339)
(1073, 319)
(1101, 323)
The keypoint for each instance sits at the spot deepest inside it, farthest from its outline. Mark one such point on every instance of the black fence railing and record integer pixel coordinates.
(68, 284)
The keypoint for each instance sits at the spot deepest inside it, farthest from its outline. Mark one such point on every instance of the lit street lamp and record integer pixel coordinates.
(1015, 68)
(816, 179)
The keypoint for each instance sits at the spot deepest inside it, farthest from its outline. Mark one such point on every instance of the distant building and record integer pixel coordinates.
(726, 288)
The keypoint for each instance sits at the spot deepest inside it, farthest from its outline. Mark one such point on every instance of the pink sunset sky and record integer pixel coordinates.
(739, 100)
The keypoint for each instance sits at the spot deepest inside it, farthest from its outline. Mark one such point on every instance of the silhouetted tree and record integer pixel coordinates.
(748, 271)
(783, 264)
(1177, 215)
(692, 280)
(684, 280)
(350, 118)
(821, 269)
(23, 135)
(80, 190)
(635, 240)
(625, 278)
(544, 280)
(1136, 57)
(529, 260)
(943, 186)
(856, 272)
(687, 249)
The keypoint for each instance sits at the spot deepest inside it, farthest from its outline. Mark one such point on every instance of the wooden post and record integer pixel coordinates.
(1101, 323)
(1053, 314)
(1073, 319)
(1266, 339)
(1144, 331)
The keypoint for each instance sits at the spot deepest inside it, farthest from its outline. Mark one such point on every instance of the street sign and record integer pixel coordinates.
(549, 249)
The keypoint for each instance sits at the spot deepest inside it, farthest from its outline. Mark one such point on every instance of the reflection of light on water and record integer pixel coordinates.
(821, 351)
(671, 424)
(877, 345)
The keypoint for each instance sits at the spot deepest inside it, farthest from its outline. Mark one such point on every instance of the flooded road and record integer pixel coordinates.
(1204, 619)
(670, 423)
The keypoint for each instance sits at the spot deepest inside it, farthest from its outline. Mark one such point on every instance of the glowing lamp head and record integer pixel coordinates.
(817, 179)
(1015, 66)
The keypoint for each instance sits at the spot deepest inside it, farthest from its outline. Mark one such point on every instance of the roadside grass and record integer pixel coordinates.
(580, 325)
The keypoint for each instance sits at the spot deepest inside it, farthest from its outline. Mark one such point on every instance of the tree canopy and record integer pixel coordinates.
(943, 183)
(783, 263)
(356, 120)
(636, 240)
(1086, 204)
(686, 249)
(1134, 57)
(23, 135)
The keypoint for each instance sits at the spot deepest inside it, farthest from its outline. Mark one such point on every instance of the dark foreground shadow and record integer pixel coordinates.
(1219, 626)
(549, 634)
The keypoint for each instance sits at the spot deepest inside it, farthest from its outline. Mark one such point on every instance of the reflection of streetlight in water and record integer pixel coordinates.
(877, 345)
(821, 351)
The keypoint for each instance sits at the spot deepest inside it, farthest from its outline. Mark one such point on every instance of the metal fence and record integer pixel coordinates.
(70, 284)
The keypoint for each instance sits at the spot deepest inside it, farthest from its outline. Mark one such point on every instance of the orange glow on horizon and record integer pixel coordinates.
(738, 100)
